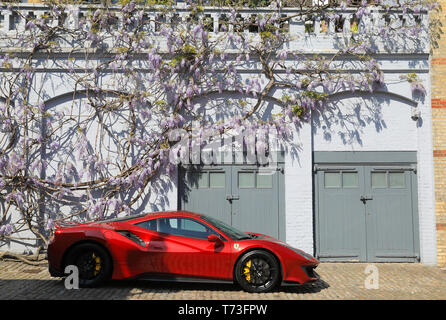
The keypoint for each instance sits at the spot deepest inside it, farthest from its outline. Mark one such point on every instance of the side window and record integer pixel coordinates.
(168, 225)
(179, 226)
(190, 225)
(149, 225)
(193, 229)
(164, 225)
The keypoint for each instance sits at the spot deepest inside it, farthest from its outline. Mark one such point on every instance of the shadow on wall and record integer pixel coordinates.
(356, 119)
(399, 40)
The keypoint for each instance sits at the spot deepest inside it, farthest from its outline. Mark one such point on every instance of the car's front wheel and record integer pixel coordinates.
(93, 262)
(257, 271)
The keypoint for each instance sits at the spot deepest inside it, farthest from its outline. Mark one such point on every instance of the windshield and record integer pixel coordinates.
(231, 232)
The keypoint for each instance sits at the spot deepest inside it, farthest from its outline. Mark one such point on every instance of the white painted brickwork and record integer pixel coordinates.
(299, 194)
(426, 196)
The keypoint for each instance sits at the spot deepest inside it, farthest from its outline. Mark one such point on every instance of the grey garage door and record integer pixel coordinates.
(367, 212)
(243, 196)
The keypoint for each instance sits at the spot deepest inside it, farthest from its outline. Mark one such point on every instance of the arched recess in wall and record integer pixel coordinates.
(220, 106)
(366, 120)
(77, 116)
(88, 139)
(81, 138)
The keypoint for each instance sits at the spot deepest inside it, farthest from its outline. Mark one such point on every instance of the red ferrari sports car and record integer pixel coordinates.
(176, 245)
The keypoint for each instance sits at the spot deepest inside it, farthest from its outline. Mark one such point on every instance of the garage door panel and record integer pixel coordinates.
(340, 227)
(257, 209)
(390, 220)
(393, 226)
(376, 221)
(343, 229)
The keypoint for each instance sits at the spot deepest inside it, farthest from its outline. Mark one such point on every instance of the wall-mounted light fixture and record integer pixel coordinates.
(416, 114)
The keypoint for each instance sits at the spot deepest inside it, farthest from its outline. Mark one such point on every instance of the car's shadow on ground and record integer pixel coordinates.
(166, 287)
(36, 289)
(45, 289)
(56, 288)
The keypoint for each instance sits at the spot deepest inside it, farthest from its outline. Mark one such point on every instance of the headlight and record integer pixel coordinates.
(132, 236)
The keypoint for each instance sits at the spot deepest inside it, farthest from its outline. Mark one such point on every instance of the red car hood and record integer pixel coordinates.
(272, 239)
(265, 237)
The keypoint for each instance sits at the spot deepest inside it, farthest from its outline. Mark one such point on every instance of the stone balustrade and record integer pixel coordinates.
(336, 24)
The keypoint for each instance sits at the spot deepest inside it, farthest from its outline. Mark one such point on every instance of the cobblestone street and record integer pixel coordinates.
(338, 281)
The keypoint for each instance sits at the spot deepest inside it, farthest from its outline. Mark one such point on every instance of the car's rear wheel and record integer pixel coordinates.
(257, 271)
(93, 262)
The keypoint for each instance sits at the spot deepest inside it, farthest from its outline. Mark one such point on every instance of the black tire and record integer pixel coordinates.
(94, 264)
(257, 271)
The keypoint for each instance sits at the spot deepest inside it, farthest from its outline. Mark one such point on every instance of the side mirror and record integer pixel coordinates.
(213, 238)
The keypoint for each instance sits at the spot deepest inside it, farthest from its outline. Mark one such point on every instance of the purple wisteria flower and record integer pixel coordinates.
(30, 25)
(417, 88)
(6, 230)
(50, 224)
(54, 146)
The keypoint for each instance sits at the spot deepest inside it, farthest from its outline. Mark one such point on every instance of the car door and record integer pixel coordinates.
(181, 248)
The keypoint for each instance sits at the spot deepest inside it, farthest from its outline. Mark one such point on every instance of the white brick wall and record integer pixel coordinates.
(366, 127)
(299, 193)
(426, 195)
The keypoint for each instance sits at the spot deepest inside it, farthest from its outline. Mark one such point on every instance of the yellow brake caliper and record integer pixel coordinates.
(98, 264)
(247, 271)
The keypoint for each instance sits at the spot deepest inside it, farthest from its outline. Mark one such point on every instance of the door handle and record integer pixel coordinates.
(365, 198)
(231, 197)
